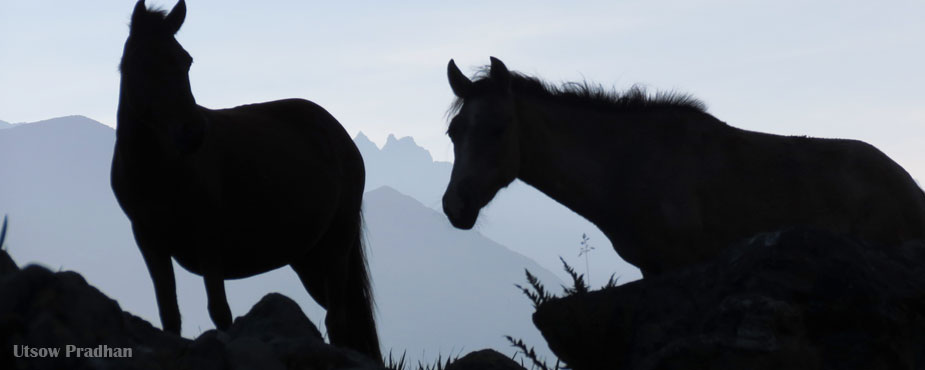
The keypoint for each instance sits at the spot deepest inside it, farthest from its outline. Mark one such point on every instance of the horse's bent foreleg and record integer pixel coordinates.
(160, 267)
(218, 303)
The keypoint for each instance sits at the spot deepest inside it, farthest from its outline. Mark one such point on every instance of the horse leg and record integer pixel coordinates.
(160, 267)
(312, 279)
(218, 303)
(335, 275)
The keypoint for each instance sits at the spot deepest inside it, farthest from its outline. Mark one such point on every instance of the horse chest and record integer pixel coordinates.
(159, 194)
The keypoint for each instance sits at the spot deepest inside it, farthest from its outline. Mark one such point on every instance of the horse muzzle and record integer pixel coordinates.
(460, 215)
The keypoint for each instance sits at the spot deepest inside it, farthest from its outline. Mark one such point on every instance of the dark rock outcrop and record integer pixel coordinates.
(486, 359)
(798, 299)
(44, 309)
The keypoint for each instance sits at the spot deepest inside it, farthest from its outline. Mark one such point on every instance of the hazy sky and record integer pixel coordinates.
(831, 68)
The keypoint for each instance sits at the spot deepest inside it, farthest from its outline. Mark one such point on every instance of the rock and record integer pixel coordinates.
(44, 309)
(277, 325)
(486, 359)
(798, 299)
(54, 310)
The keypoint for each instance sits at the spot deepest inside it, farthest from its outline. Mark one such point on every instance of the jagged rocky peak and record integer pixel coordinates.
(361, 138)
(366, 146)
(406, 148)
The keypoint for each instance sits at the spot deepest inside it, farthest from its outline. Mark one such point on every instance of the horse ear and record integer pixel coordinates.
(139, 10)
(458, 81)
(176, 16)
(499, 74)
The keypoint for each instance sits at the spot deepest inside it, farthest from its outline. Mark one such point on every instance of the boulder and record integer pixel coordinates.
(796, 299)
(486, 359)
(52, 310)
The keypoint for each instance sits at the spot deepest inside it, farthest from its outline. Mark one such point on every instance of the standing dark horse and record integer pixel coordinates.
(669, 184)
(232, 193)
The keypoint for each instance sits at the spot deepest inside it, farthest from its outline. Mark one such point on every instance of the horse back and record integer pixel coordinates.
(842, 185)
(273, 174)
(290, 157)
(733, 184)
(290, 135)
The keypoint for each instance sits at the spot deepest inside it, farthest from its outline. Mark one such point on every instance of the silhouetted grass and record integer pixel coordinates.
(399, 364)
(393, 363)
(579, 286)
(530, 354)
(612, 282)
(538, 294)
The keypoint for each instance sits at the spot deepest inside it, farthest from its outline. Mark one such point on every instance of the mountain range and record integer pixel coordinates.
(439, 290)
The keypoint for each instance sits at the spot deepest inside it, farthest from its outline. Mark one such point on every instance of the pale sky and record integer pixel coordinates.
(849, 69)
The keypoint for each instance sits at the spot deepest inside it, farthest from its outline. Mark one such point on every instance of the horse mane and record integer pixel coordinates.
(586, 94)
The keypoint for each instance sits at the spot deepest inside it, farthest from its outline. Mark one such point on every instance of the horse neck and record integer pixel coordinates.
(585, 159)
(142, 117)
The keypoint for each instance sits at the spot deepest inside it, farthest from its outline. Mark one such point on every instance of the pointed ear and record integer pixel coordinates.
(499, 74)
(458, 81)
(139, 11)
(176, 16)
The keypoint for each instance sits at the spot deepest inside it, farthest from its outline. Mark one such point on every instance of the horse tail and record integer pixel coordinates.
(361, 293)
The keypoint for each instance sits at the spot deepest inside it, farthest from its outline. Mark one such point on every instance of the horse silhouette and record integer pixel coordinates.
(669, 184)
(231, 193)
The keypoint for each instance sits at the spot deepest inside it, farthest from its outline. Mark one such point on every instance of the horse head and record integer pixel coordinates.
(485, 142)
(153, 62)
(155, 76)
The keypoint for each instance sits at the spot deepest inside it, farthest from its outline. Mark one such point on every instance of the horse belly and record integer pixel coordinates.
(243, 250)
(269, 224)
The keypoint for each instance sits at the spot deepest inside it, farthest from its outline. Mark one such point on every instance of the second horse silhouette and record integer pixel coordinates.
(669, 184)
(236, 192)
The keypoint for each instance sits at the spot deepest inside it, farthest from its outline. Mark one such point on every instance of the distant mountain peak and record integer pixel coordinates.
(69, 127)
(63, 120)
(71, 119)
(366, 146)
(406, 140)
(361, 137)
(388, 191)
(406, 148)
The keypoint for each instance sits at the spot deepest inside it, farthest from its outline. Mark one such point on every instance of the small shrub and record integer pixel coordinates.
(538, 295)
(530, 354)
(578, 281)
